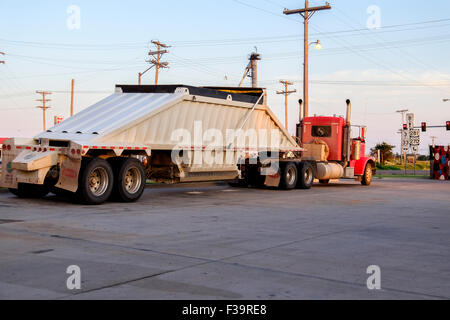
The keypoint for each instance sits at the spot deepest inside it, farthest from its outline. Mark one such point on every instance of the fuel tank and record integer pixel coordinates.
(326, 171)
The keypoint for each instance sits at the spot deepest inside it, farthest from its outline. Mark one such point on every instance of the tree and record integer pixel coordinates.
(385, 151)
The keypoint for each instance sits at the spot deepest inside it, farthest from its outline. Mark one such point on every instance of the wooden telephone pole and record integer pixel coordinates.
(156, 61)
(306, 13)
(71, 97)
(44, 107)
(286, 93)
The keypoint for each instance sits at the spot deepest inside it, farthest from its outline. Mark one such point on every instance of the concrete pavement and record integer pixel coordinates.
(210, 241)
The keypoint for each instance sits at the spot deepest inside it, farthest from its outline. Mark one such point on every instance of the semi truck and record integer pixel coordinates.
(177, 134)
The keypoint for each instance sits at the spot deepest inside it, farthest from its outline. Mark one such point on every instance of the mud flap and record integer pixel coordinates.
(8, 175)
(272, 175)
(69, 172)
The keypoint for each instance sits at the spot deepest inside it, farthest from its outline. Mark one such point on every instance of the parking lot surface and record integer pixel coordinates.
(212, 241)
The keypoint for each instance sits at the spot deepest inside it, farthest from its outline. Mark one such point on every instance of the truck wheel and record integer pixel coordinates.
(129, 180)
(96, 181)
(368, 175)
(289, 176)
(25, 190)
(306, 176)
(327, 181)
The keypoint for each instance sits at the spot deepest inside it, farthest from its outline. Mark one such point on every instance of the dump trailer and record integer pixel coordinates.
(169, 134)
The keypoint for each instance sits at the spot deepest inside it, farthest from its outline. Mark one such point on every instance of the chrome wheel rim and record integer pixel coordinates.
(290, 176)
(368, 174)
(98, 181)
(132, 180)
(308, 176)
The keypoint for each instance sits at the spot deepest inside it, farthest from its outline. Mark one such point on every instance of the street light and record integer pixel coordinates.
(307, 12)
(317, 43)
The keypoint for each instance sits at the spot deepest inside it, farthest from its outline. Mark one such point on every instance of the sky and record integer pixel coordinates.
(383, 55)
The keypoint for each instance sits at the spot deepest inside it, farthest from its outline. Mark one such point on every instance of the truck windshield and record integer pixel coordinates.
(321, 131)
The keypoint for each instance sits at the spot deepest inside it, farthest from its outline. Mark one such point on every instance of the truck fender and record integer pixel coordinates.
(360, 165)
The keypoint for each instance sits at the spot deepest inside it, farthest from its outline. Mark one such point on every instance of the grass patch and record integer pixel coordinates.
(387, 167)
(420, 165)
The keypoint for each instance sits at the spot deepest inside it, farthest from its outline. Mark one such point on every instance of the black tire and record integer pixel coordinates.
(367, 176)
(129, 180)
(96, 181)
(30, 191)
(327, 181)
(306, 176)
(289, 176)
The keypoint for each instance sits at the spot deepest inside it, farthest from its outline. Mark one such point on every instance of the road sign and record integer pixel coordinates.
(410, 136)
(414, 137)
(410, 120)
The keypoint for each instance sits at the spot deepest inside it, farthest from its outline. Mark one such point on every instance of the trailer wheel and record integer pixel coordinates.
(306, 176)
(96, 181)
(289, 176)
(25, 190)
(129, 180)
(368, 175)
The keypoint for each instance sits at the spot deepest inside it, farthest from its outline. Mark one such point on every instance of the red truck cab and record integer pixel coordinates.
(344, 156)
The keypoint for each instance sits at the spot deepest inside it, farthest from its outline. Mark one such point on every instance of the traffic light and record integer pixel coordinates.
(447, 124)
(405, 127)
(424, 127)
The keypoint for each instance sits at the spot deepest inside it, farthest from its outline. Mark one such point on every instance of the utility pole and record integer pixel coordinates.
(44, 107)
(2, 62)
(306, 13)
(433, 138)
(286, 93)
(403, 112)
(253, 68)
(71, 97)
(156, 61)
